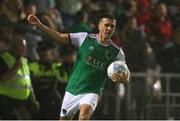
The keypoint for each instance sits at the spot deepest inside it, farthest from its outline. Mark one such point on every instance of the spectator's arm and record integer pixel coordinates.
(11, 72)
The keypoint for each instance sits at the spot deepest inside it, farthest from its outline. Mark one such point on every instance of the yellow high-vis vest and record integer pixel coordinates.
(38, 71)
(19, 86)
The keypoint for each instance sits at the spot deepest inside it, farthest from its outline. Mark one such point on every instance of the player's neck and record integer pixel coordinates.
(103, 40)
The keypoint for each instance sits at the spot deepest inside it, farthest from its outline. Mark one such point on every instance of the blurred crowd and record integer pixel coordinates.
(147, 30)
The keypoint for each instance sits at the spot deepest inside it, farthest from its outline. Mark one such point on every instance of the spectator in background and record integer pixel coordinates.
(3, 37)
(135, 46)
(68, 56)
(174, 12)
(12, 10)
(69, 8)
(42, 6)
(15, 85)
(81, 22)
(144, 14)
(30, 32)
(138, 56)
(159, 29)
(170, 63)
(119, 11)
(6, 35)
(170, 59)
(129, 9)
(52, 18)
(44, 75)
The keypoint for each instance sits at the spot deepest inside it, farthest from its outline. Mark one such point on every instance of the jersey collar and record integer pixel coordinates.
(110, 41)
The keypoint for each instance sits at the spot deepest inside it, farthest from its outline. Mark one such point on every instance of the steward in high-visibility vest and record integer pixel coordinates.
(15, 83)
(45, 77)
(38, 70)
(19, 86)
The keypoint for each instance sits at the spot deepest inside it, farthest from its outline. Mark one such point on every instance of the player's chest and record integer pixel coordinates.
(96, 50)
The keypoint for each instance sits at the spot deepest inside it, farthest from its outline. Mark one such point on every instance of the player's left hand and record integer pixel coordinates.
(121, 77)
(33, 19)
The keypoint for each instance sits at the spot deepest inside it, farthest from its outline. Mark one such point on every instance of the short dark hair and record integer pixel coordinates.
(106, 16)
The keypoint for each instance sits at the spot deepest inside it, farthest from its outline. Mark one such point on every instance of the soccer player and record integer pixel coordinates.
(95, 53)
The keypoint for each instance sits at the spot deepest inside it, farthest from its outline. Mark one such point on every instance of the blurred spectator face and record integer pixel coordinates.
(31, 9)
(106, 27)
(70, 58)
(18, 4)
(161, 10)
(134, 7)
(130, 7)
(51, 14)
(132, 23)
(47, 55)
(55, 55)
(18, 45)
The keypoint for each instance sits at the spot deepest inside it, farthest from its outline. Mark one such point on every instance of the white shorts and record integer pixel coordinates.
(71, 103)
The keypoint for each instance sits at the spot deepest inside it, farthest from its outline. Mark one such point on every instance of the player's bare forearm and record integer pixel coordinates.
(57, 36)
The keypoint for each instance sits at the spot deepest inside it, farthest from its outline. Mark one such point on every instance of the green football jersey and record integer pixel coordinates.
(90, 69)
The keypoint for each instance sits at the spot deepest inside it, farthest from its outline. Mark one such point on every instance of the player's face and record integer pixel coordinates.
(106, 27)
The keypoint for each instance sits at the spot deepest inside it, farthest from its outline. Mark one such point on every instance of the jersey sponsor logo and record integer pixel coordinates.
(95, 63)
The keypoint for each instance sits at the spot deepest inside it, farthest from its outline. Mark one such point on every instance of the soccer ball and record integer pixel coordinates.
(117, 67)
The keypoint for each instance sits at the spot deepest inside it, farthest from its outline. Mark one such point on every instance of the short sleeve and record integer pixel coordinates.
(78, 38)
(121, 55)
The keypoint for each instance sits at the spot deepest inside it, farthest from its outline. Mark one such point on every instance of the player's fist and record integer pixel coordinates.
(33, 19)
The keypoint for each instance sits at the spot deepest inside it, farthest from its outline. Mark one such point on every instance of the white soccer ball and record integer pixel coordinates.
(117, 67)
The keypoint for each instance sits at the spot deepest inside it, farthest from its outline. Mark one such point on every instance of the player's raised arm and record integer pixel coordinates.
(59, 37)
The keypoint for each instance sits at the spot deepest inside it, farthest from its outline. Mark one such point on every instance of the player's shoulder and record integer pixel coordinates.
(92, 35)
(116, 44)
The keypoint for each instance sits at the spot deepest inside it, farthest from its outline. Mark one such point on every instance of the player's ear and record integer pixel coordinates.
(99, 26)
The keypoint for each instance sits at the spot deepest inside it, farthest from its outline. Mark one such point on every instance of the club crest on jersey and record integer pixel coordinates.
(108, 55)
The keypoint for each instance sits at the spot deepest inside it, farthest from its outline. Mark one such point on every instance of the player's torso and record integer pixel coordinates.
(89, 71)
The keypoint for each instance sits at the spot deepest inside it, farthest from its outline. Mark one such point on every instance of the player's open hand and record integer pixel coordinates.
(33, 19)
(121, 77)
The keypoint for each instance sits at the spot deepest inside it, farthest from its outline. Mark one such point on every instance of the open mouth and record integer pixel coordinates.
(107, 33)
